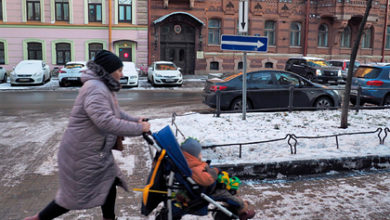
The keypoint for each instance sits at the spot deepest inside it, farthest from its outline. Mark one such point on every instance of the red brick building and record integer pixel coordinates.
(188, 32)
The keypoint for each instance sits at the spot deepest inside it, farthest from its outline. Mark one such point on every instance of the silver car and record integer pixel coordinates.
(30, 72)
(3, 75)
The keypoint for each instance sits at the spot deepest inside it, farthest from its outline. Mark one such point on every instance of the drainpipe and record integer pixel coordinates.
(109, 25)
(306, 37)
(149, 48)
(384, 32)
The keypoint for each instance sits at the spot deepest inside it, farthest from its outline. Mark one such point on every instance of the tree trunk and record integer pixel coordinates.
(347, 91)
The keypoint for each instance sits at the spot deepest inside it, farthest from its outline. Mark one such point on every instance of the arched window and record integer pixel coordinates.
(214, 65)
(269, 65)
(323, 35)
(93, 49)
(367, 38)
(34, 51)
(214, 31)
(269, 31)
(345, 39)
(63, 53)
(295, 34)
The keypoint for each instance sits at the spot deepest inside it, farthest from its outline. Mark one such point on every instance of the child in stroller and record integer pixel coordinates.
(207, 176)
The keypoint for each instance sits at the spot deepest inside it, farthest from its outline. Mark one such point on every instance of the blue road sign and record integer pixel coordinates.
(244, 43)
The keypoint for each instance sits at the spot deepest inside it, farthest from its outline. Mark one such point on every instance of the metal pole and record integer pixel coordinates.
(244, 88)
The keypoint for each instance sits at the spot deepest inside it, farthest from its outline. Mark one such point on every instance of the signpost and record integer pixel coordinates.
(244, 43)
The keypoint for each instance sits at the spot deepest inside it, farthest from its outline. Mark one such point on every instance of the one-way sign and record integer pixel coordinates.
(244, 43)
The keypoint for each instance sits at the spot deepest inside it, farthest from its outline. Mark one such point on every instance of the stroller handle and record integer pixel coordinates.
(147, 137)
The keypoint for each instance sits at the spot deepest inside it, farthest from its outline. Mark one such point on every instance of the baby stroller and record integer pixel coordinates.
(170, 182)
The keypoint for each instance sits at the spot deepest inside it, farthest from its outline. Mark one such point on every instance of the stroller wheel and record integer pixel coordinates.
(219, 215)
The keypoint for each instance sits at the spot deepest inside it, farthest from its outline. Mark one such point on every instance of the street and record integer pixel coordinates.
(31, 133)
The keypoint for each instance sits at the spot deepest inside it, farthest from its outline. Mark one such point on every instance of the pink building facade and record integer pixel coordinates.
(58, 31)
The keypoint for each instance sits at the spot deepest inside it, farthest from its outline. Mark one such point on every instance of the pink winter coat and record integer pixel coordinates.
(87, 168)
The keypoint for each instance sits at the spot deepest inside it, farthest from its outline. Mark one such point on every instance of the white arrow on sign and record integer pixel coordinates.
(258, 44)
(243, 16)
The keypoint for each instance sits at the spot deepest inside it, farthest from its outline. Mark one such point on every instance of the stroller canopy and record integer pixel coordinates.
(167, 140)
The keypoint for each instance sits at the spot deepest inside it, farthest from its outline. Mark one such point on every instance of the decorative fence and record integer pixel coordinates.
(292, 139)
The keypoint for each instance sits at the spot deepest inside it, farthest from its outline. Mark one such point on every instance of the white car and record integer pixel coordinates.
(164, 73)
(3, 75)
(30, 72)
(71, 73)
(130, 75)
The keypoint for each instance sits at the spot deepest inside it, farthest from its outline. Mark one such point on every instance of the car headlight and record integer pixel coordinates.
(337, 92)
(158, 75)
(339, 73)
(36, 74)
(13, 73)
(318, 72)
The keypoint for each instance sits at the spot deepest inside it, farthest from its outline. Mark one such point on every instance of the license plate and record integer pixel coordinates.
(170, 80)
(72, 78)
(24, 80)
(123, 81)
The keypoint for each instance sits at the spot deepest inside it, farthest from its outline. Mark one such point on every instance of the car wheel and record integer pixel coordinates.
(43, 80)
(62, 84)
(237, 105)
(323, 103)
(5, 78)
(386, 100)
(153, 84)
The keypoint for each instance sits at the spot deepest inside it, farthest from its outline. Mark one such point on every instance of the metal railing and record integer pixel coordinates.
(292, 139)
(290, 107)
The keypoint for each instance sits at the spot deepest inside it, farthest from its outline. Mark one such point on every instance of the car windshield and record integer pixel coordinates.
(165, 66)
(317, 63)
(33, 66)
(74, 65)
(367, 72)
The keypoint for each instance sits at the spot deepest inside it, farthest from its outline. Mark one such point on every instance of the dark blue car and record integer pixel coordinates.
(375, 83)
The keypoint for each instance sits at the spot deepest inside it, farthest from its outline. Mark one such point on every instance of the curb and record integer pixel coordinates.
(305, 167)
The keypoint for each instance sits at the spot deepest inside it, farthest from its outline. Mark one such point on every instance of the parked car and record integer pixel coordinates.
(164, 73)
(71, 73)
(130, 75)
(314, 69)
(3, 75)
(231, 91)
(370, 78)
(344, 64)
(30, 72)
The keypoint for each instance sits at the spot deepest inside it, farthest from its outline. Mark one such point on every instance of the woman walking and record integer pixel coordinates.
(88, 174)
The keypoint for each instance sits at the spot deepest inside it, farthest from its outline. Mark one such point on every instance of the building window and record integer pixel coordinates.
(34, 51)
(62, 10)
(295, 34)
(125, 11)
(63, 53)
(366, 38)
(2, 55)
(33, 10)
(323, 35)
(388, 37)
(214, 31)
(93, 49)
(240, 65)
(269, 32)
(269, 65)
(214, 65)
(345, 39)
(1, 10)
(95, 11)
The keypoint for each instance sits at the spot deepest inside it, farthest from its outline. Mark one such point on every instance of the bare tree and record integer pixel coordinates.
(347, 91)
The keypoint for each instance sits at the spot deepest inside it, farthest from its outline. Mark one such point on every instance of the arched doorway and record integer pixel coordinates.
(178, 36)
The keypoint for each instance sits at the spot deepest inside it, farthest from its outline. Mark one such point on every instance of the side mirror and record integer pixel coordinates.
(179, 68)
